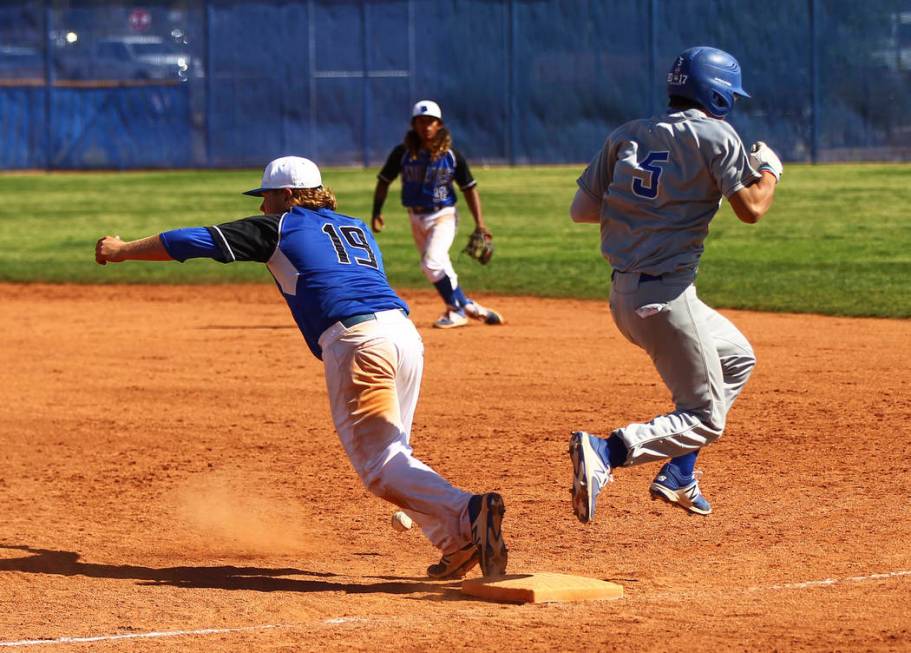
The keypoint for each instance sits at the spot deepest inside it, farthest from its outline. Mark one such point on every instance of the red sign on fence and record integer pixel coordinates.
(140, 20)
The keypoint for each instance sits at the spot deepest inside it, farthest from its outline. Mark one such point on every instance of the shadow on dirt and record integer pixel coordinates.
(258, 579)
(245, 327)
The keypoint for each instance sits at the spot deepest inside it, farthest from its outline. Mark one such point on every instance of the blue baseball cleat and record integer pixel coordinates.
(684, 492)
(590, 475)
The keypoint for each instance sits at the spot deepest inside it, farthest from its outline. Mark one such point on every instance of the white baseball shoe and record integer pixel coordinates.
(451, 320)
(590, 475)
(484, 314)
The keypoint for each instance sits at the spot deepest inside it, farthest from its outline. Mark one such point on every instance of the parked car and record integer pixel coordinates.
(21, 62)
(128, 58)
(895, 53)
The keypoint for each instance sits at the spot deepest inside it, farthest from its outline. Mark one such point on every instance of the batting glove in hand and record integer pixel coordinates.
(762, 157)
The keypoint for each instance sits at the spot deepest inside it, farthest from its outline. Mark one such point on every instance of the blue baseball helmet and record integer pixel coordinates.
(707, 76)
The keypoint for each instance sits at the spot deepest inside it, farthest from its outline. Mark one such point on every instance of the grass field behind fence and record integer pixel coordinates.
(837, 240)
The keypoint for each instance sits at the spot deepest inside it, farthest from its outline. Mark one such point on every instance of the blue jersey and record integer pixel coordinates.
(427, 184)
(327, 266)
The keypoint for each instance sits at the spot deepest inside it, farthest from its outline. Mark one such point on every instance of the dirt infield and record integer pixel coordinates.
(169, 480)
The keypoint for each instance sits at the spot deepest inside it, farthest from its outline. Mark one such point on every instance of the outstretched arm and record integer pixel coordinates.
(473, 199)
(752, 202)
(248, 239)
(111, 249)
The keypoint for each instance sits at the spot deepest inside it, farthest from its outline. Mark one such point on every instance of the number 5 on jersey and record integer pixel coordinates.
(647, 186)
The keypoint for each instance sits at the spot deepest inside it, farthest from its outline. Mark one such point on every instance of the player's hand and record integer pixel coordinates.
(377, 223)
(107, 250)
(764, 159)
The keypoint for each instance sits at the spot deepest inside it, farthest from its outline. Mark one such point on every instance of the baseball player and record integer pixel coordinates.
(330, 271)
(654, 188)
(429, 165)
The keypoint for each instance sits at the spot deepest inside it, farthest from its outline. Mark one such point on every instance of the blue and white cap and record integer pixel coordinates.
(427, 108)
(288, 172)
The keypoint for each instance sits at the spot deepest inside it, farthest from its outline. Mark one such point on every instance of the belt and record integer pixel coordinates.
(349, 322)
(422, 210)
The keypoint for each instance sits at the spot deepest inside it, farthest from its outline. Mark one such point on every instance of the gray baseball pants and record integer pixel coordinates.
(701, 356)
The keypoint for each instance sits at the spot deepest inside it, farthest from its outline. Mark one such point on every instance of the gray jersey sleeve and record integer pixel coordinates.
(596, 178)
(729, 162)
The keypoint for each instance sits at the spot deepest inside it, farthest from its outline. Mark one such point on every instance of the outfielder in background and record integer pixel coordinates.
(429, 165)
(330, 271)
(654, 188)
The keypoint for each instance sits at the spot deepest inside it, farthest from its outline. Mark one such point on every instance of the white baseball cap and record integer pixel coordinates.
(288, 172)
(427, 108)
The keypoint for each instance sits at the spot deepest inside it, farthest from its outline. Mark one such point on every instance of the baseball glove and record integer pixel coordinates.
(480, 246)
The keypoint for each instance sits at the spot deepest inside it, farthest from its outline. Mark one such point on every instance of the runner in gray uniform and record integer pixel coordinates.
(654, 187)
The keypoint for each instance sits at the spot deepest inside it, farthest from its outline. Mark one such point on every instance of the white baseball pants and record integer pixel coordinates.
(701, 356)
(433, 235)
(373, 375)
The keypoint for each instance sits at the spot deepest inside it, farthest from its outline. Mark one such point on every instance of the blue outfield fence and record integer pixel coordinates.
(226, 83)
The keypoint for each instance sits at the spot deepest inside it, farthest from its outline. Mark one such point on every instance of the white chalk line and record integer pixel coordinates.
(809, 584)
(824, 582)
(151, 635)
(168, 633)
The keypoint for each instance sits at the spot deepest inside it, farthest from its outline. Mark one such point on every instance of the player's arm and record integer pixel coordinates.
(586, 206)
(749, 192)
(473, 199)
(176, 245)
(111, 249)
(379, 198)
(249, 239)
(751, 202)
(386, 176)
(469, 187)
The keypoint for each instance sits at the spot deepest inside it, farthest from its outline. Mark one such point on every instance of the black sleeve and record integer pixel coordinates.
(393, 165)
(248, 239)
(462, 172)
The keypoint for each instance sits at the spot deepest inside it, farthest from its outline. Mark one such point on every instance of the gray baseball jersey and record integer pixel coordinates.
(660, 181)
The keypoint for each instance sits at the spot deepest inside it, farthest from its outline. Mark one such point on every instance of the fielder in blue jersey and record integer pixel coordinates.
(429, 166)
(329, 270)
(654, 188)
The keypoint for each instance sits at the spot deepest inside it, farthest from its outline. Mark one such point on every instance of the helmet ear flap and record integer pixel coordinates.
(721, 104)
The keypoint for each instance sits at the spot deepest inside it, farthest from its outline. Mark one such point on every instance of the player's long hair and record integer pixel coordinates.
(441, 143)
(313, 198)
(678, 102)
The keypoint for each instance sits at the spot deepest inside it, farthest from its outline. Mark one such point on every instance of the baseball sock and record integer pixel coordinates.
(612, 450)
(444, 287)
(460, 297)
(684, 465)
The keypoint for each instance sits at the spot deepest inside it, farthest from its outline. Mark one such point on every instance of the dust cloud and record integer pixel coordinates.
(226, 516)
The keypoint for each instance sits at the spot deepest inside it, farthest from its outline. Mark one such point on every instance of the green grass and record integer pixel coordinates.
(837, 240)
